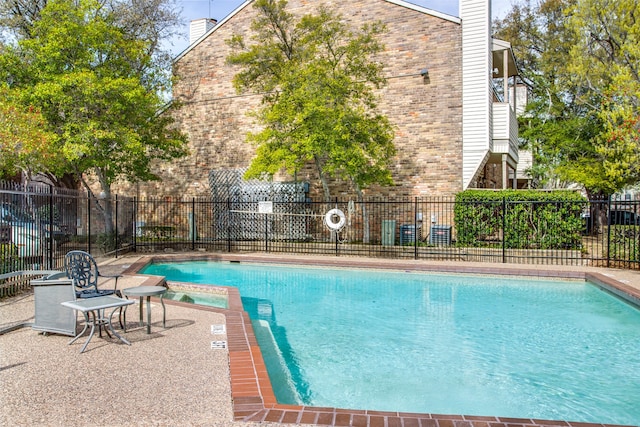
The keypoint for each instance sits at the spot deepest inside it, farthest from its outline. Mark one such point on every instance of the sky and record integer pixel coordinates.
(218, 9)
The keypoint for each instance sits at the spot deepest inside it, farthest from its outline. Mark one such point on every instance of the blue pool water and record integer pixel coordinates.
(449, 344)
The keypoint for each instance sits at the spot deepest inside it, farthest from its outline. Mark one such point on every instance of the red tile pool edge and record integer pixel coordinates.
(251, 391)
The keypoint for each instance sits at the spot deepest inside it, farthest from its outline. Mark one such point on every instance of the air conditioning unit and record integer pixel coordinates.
(440, 235)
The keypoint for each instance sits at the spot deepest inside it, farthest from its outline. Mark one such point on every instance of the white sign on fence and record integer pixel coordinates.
(265, 207)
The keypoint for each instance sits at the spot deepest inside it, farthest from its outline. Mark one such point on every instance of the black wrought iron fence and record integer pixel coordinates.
(40, 223)
(596, 233)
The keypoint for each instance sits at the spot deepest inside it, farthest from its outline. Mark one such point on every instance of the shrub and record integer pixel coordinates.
(157, 232)
(8, 257)
(624, 243)
(520, 219)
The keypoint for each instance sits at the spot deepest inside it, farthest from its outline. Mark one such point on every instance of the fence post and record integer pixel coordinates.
(135, 224)
(415, 228)
(115, 227)
(336, 232)
(88, 222)
(193, 223)
(504, 229)
(609, 221)
(228, 225)
(266, 232)
(51, 241)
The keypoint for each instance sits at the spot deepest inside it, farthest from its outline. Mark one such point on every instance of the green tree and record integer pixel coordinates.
(99, 90)
(606, 59)
(580, 61)
(318, 84)
(558, 127)
(24, 141)
(154, 21)
(19, 16)
(620, 142)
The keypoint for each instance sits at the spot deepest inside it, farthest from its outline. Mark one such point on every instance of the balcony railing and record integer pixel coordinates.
(505, 129)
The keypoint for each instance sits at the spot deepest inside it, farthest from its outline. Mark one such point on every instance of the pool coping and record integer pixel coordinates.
(252, 395)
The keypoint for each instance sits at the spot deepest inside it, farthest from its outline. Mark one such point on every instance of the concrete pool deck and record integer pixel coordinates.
(174, 376)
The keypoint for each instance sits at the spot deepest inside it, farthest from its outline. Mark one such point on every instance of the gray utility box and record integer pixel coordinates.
(440, 235)
(388, 232)
(50, 315)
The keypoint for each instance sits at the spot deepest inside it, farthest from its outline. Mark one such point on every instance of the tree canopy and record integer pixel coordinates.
(580, 60)
(19, 16)
(153, 20)
(97, 88)
(24, 140)
(318, 78)
(606, 59)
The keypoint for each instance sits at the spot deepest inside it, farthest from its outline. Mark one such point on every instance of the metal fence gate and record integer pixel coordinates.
(255, 209)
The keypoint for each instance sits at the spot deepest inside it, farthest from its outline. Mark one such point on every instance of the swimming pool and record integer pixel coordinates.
(466, 345)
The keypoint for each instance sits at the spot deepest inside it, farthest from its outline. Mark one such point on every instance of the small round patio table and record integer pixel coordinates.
(146, 291)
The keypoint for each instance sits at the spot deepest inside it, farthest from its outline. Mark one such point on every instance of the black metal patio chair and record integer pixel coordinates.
(82, 268)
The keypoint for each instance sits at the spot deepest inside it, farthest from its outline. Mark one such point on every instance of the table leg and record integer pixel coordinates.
(86, 325)
(141, 299)
(99, 328)
(113, 330)
(93, 329)
(148, 314)
(164, 314)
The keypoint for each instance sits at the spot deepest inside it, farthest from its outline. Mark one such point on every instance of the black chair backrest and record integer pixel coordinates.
(82, 268)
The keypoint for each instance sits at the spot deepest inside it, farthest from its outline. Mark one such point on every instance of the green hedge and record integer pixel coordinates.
(532, 219)
(624, 243)
(8, 257)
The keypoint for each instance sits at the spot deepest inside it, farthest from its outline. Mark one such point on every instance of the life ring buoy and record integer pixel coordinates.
(329, 219)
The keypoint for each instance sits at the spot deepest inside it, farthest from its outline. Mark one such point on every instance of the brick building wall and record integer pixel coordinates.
(427, 114)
